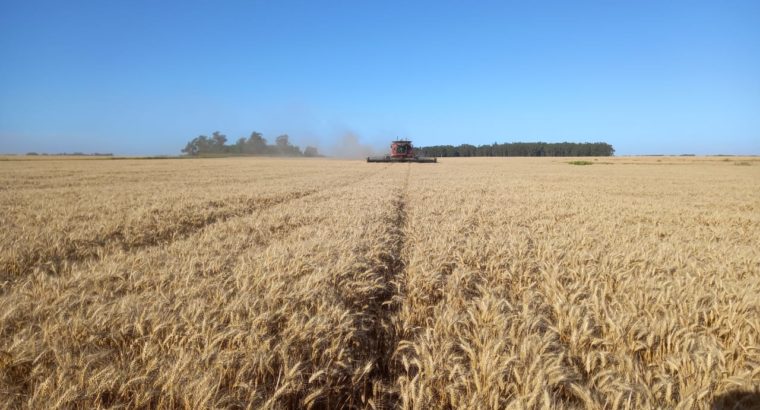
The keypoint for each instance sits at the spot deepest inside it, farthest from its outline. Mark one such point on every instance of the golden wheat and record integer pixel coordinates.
(472, 283)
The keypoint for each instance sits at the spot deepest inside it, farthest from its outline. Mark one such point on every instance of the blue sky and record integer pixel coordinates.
(144, 77)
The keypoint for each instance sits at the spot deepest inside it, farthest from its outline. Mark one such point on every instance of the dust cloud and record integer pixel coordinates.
(349, 146)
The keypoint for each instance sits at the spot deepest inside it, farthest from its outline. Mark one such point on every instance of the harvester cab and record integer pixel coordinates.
(402, 151)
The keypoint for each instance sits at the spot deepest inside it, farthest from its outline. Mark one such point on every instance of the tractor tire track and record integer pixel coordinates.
(379, 313)
(394, 264)
(60, 259)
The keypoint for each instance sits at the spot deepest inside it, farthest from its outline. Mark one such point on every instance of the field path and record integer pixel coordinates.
(391, 266)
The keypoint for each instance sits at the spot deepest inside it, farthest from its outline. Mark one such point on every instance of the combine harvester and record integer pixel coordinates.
(402, 151)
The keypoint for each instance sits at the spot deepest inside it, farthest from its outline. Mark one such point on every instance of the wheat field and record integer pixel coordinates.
(488, 283)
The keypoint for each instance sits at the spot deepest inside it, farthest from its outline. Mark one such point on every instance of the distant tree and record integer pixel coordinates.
(256, 144)
(239, 147)
(310, 151)
(283, 147)
(218, 141)
(32, 153)
(199, 145)
(282, 141)
(190, 148)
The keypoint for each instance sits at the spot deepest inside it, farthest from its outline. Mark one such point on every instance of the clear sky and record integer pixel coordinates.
(144, 77)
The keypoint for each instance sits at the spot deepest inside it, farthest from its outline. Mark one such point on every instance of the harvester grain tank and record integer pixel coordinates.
(402, 151)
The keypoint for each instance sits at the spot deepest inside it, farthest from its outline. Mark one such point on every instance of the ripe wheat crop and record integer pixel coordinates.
(313, 283)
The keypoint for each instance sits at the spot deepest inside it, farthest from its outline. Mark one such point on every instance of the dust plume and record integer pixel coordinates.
(349, 146)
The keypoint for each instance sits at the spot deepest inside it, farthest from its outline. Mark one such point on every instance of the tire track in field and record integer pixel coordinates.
(59, 260)
(467, 286)
(379, 390)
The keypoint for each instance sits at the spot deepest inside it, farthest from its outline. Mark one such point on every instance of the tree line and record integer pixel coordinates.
(521, 149)
(255, 144)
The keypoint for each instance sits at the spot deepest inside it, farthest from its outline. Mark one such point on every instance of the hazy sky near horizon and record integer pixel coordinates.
(144, 77)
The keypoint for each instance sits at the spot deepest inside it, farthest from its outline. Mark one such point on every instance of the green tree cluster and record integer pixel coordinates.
(255, 144)
(522, 149)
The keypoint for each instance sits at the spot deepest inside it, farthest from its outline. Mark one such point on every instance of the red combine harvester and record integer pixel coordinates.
(402, 151)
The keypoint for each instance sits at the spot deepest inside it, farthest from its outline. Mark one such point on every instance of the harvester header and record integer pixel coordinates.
(402, 151)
